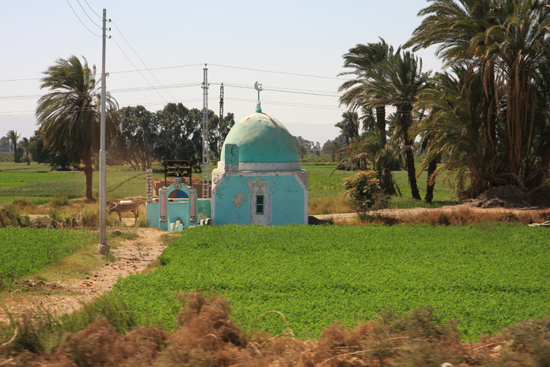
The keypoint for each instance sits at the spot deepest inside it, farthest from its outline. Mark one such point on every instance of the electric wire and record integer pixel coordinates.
(113, 72)
(213, 100)
(278, 72)
(291, 104)
(19, 80)
(85, 26)
(91, 20)
(147, 80)
(284, 90)
(99, 16)
(140, 89)
(159, 68)
(124, 38)
(118, 90)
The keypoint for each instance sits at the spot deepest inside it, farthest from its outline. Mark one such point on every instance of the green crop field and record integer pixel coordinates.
(14, 179)
(486, 276)
(27, 250)
(37, 183)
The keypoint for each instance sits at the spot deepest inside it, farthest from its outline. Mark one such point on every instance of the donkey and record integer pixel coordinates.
(122, 207)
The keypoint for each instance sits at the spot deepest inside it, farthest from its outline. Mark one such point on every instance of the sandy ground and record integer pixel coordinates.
(415, 211)
(59, 297)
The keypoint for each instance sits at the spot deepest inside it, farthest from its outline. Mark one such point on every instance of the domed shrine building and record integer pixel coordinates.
(259, 179)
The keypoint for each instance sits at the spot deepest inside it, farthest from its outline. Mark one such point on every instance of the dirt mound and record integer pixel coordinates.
(501, 197)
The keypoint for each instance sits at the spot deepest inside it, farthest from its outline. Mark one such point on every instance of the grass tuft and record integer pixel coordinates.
(329, 205)
(59, 200)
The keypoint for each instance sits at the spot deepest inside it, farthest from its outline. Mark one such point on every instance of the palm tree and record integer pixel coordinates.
(349, 126)
(362, 59)
(398, 82)
(13, 136)
(368, 120)
(455, 126)
(70, 114)
(24, 143)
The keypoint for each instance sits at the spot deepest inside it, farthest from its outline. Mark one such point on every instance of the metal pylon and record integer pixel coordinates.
(205, 138)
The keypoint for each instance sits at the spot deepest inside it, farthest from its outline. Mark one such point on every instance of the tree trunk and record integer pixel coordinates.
(88, 171)
(381, 122)
(409, 156)
(411, 171)
(431, 181)
(388, 181)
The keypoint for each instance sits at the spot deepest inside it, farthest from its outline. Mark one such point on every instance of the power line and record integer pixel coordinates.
(82, 21)
(305, 105)
(113, 72)
(23, 113)
(139, 89)
(290, 104)
(278, 72)
(147, 80)
(11, 98)
(16, 113)
(287, 90)
(119, 90)
(159, 68)
(99, 16)
(91, 20)
(142, 61)
(19, 80)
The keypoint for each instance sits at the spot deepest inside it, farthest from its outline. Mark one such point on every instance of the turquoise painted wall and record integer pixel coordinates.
(204, 207)
(287, 200)
(177, 210)
(152, 211)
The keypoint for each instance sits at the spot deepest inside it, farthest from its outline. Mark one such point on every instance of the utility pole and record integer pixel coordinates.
(205, 138)
(221, 102)
(103, 247)
(221, 125)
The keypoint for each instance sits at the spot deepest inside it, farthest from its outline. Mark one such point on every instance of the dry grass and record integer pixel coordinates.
(457, 217)
(329, 205)
(206, 336)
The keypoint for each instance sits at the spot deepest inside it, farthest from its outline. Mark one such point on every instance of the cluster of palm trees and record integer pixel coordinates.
(20, 147)
(487, 116)
(385, 77)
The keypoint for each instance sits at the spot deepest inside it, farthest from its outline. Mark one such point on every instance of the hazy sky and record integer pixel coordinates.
(294, 48)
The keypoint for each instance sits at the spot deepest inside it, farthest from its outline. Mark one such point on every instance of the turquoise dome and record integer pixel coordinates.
(262, 138)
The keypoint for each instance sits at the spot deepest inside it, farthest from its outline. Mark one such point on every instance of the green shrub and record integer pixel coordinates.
(10, 217)
(364, 190)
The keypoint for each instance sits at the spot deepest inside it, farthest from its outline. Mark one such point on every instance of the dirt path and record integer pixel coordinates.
(59, 297)
(396, 213)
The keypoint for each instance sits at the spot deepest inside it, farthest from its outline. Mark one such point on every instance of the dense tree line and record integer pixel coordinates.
(174, 132)
(69, 119)
(486, 116)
